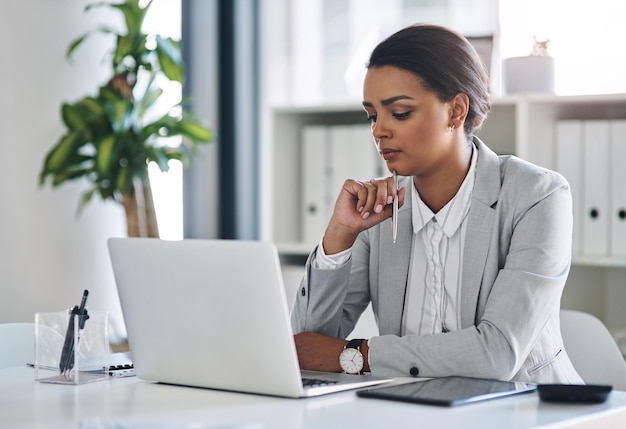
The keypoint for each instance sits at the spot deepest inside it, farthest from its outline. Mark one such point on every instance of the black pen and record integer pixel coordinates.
(394, 213)
(82, 310)
(67, 355)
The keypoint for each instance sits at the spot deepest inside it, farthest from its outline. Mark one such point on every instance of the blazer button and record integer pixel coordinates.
(303, 291)
(414, 371)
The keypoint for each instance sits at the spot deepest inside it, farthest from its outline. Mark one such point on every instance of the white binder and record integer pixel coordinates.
(618, 189)
(314, 207)
(596, 188)
(569, 162)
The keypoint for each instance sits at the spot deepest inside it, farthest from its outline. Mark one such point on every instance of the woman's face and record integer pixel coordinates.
(410, 124)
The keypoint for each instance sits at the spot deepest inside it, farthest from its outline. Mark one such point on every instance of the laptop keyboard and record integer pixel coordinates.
(316, 382)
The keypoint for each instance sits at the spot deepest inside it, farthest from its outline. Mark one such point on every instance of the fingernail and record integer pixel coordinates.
(390, 199)
(378, 208)
(366, 215)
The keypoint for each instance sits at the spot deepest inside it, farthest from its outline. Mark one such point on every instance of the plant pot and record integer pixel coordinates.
(532, 73)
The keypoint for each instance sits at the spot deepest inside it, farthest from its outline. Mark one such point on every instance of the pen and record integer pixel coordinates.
(82, 310)
(394, 213)
(67, 354)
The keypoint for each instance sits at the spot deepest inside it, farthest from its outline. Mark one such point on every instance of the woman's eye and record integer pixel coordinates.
(402, 115)
(371, 118)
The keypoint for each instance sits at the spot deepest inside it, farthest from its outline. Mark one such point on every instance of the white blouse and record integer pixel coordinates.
(435, 274)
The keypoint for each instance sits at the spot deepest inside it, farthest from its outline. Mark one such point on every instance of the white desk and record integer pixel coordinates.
(130, 403)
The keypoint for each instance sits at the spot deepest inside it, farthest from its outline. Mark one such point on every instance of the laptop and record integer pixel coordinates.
(213, 314)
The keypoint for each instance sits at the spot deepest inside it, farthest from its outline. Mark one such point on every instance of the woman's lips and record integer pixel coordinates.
(389, 154)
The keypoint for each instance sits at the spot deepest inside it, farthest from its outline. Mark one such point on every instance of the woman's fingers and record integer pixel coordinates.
(360, 206)
(371, 197)
(375, 197)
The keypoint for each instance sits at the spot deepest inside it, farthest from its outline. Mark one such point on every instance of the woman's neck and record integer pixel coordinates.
(437, 189)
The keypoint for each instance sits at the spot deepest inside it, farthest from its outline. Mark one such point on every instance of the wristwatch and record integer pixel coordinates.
(351, 359)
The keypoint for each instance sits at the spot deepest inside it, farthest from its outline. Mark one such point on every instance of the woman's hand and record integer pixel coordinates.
(317, 352)
(359, 206)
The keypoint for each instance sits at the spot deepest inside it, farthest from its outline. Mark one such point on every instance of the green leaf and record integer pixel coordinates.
(73, 116)
(93, 114)
(195, 131)
(119, 111)
(133, 14)
(108, 94)
(84, 200)
(153, 129)
(159, 156)
(129, 45)
(91, 105)
(70, 174)
(149, 97)
(170, 58)
(124, 179)
(173, 152)
(60, 155)
(104, 158)
(79, 41)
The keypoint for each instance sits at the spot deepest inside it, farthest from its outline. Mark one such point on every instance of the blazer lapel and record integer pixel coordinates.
(481, 219)
(394, 266)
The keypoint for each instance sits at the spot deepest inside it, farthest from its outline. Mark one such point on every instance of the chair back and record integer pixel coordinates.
(17, 344)
(592, 349)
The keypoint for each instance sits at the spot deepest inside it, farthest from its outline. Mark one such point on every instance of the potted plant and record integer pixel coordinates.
(112, 136)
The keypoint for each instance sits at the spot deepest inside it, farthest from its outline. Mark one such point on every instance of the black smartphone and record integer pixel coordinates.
(591, 393)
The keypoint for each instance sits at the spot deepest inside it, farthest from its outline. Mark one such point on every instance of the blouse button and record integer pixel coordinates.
(414, 371)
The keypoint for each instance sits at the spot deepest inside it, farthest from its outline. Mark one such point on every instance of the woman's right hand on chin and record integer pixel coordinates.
(359, 206)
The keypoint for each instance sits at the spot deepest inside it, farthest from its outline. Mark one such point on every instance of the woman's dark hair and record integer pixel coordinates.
(445, 61)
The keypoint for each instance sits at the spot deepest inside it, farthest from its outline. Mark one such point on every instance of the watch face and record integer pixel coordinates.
(351, 361)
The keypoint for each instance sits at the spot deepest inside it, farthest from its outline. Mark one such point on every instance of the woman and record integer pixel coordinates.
(473, 284)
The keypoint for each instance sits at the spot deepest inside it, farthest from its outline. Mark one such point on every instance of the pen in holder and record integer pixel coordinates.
(72, 346)
(394, 213)
(75, 326)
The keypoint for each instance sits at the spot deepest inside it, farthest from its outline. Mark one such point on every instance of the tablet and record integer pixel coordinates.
(448, 391)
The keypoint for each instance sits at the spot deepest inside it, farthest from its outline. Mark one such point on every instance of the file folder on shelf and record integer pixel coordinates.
(596, 188)
(569, 162)
(314, 207)
(618, 189)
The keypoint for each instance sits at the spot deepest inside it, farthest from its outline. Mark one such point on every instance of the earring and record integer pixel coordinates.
(451, 127)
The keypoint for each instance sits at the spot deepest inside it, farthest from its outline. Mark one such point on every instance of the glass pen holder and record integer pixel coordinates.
(71, 349)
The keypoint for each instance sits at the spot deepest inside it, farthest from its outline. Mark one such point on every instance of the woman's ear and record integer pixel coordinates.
(459, 109)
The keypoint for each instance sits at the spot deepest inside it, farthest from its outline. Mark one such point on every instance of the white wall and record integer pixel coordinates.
(47, 254)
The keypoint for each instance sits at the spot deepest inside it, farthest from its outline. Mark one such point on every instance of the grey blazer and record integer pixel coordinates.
(516, 260)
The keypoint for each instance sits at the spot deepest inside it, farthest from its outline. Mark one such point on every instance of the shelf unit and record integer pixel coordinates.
(522, 125)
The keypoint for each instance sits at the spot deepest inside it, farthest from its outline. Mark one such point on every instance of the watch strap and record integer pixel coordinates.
(355, 343)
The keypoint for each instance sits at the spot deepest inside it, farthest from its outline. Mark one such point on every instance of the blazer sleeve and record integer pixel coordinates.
(327, 301)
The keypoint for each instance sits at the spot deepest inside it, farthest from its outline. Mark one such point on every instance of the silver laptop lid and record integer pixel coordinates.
(207, 313)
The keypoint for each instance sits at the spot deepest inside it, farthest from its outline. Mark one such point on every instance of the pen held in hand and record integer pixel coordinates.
(394, 213)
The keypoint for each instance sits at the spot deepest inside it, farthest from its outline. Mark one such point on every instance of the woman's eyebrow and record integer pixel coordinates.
(388, 101)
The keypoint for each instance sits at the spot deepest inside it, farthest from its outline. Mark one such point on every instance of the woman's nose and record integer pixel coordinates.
(379, 130)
